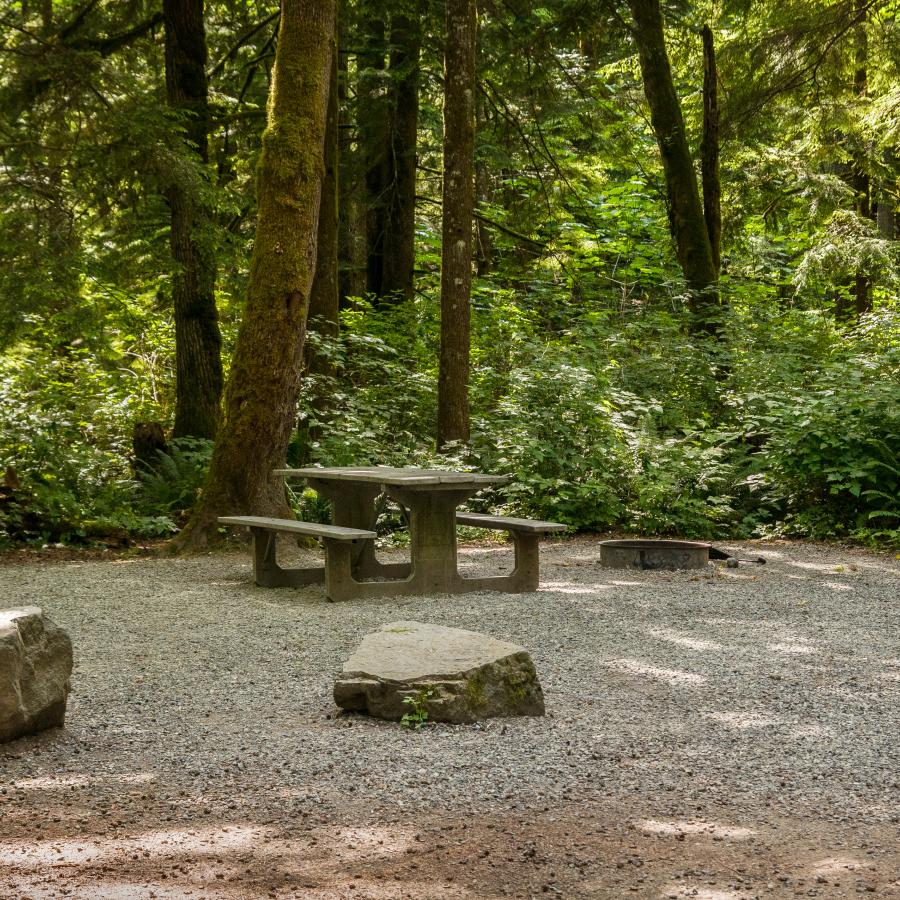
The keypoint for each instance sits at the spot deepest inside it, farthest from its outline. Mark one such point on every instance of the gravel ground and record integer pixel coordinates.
(720, 734)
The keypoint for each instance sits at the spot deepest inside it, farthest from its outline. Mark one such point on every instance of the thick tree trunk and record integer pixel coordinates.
(458, 207)
(261, 396)
(198, 365)
(709, 150)
(400, 218)
(692, 241)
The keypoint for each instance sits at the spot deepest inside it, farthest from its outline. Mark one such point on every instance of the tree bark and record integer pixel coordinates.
(324, 299)
(374, 135)
(198, 364)
(709, 150)
(261, 396)
(456, 234)
(400, 218)
(692, 243)
(861, 182)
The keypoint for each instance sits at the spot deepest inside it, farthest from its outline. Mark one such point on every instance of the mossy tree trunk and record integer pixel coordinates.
(198, 363)
(261, 395)
(324, 300)
(456, 232)
(692, 241)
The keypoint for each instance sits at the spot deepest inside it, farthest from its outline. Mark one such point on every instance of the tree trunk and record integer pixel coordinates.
(351, 225)
(400, 201)
(458, 206)
(324, 299)
(198, 365)
(261, 397)
(692, 243)
(709, 150)
(373, 131)
(860, 180)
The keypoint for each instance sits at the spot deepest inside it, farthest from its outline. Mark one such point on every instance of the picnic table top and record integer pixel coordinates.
(399, 477)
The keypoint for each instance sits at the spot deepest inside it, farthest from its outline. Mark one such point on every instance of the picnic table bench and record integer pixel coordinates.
(431, 497)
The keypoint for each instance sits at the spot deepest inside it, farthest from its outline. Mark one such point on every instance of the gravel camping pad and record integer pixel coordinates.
(720, 734)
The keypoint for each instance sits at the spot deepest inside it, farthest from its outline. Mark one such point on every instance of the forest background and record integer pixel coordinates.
(128, 212)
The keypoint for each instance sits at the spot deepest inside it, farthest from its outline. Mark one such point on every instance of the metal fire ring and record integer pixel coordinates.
(647, 554)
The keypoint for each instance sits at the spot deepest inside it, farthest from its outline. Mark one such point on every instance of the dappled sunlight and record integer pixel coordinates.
(832, 567)
(674, 637)
(568, 587)
(52, 782)
(671, 676)
(627, 583)
(838, 586)
(794, 649)
(195, 841)
(698, 892)
(713, 829)
(836, 865)
(743, 721)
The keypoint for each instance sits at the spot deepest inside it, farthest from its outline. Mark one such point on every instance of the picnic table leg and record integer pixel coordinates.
(353, 506)
(267, 572)
(525, 576)
(432, 526)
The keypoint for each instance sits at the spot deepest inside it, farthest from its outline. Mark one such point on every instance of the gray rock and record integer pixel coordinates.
(35, 667)
(453, 675)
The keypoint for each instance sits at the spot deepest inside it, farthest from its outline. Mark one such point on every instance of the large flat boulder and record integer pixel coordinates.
(453, 675)
(35, 667)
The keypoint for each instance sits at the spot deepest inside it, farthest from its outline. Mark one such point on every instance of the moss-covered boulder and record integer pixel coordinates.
(441, 674)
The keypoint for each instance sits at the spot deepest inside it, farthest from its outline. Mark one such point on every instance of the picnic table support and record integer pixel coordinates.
(267, 572)
(353, 506)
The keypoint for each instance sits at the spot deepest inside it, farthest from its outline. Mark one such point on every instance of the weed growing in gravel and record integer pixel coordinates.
(418, 712)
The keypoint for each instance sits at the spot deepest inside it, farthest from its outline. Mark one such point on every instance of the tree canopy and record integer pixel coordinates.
(683, 315)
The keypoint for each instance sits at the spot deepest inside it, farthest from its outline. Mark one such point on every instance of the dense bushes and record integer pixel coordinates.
(617, 422)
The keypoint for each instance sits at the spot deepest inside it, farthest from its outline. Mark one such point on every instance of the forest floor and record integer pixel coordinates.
(721, 734)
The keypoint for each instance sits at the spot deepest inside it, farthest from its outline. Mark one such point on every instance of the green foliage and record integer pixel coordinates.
(170, 485)
(418, 709)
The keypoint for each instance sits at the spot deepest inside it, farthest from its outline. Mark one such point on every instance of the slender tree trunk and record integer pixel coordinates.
(324, 299)
(709, 150)
(692, 241)
(351, 215)
(860, 180)
(198, 365)
(373, 128)
(400, 199)
(261, 396)
(458, 207)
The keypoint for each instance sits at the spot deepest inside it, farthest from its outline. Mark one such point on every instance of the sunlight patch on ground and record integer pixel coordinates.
(692, 643)
(567, 587)
(365, 841)
(63, 781)
(838, 586)
(699, 893)
(835, 865)
(792, 648)
(627, 583)
(733, 832)
(672, 676)
(744, 720)
(821, 567)
(199, 841)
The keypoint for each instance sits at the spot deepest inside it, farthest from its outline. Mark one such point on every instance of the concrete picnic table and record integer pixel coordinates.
(431, 496)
